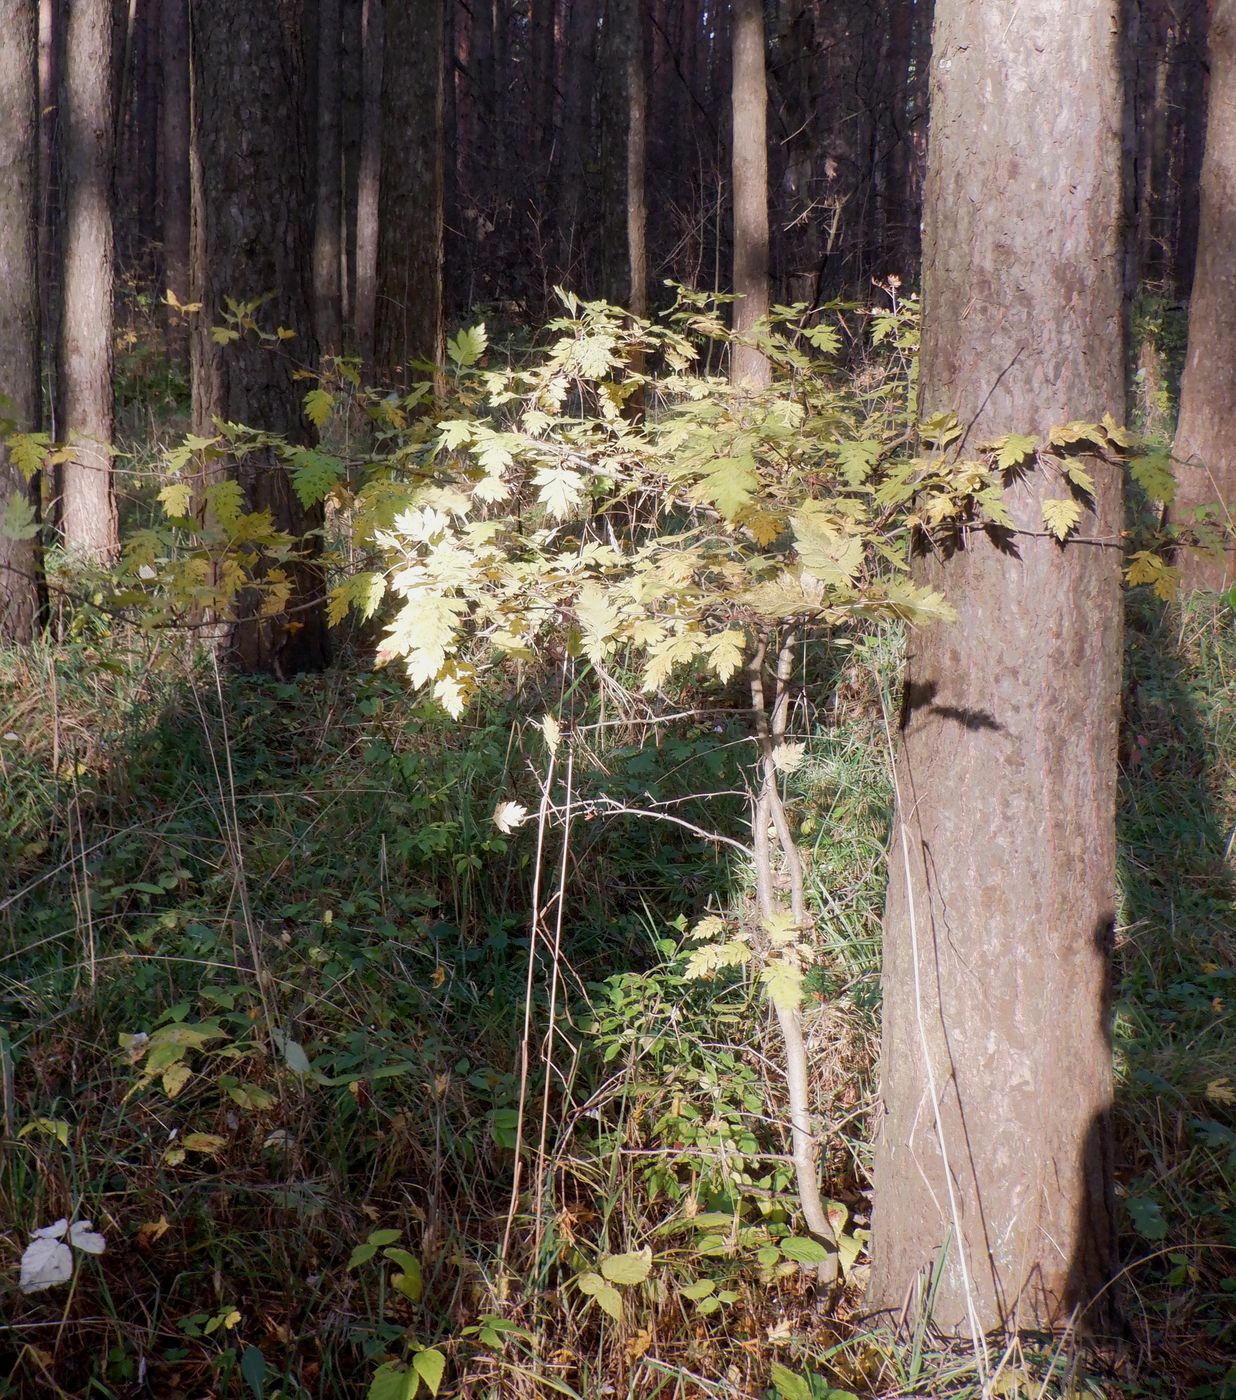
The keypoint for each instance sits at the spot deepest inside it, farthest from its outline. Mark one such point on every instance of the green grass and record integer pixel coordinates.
(312, 871)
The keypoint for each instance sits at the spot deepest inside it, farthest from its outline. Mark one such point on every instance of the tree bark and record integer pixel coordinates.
(994, 1151)
(1205, 446)
(369, 177)
(410, 234)
(327, 252)
(51, 55)
(174, 166)
(351, 88)
(624, 140)
(20, 564)
(251, 238)
(84, 379)
(750, 180)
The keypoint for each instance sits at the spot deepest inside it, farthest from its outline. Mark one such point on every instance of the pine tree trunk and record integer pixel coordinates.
(174, 165)
(1205, 447)
(624, 136)
(351, 89)
(750, 181)
(369, 177)
(84, 378)
(20, 566)
(327, 253)
(410, 234)
(994, 1152)
(252, 236)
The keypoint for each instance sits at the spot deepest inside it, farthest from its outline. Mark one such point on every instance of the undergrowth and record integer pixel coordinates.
(300, 888)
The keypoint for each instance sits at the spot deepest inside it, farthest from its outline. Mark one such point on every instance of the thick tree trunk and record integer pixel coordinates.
(84, 378)
(750, 181)
(1205, 447)
(251, 237)
(174, 165)
(20, 571)
(327, 253)
(994, 1152)
(369, 177)
(409, 310)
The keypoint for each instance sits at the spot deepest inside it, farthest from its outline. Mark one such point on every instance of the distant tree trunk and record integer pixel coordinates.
(146, 123)
(252, 237)
(174, 166)
(624, 140)
(1205, 446)
(994, 1156)
(51, 53)
(328, 204)
(84, 379)
(351, 87)
(896, 136)
(750, 182)
(20, 565)
(368, 177)
(410, 233)
(575, 134)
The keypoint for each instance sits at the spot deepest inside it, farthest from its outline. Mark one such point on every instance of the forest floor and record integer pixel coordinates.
(298, 894)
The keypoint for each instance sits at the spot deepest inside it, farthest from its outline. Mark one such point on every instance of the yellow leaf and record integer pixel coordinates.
(1060, 517)
(152, 1231)
(176, 499)
(207, 1143)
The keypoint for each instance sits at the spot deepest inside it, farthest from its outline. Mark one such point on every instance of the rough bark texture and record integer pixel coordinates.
(409, 323)
(1205, 447)
(84, 379)
(251, 237)
(327, 229)
(624, 140)
(1003, 859)
(174, 167)
(750, 180)
(19, 305)
(368, 177)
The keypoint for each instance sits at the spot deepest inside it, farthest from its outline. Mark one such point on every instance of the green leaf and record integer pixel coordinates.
(607, 1296)
(253, 1369)
(315, 476)
(384, 1237)
(1153, 473)
(1147, 1217)
(430, 1365)
(701, 1289)
(27, 452)
(788, 1385)
(783, 981)
(803, 1250)
(18, 521)
(833, 555)
(391, 1382)
(466, 348)
(409, 1281)
(628, 1269)
(318, 406)
(856, 459)
(225, 500)
(362, 1254)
